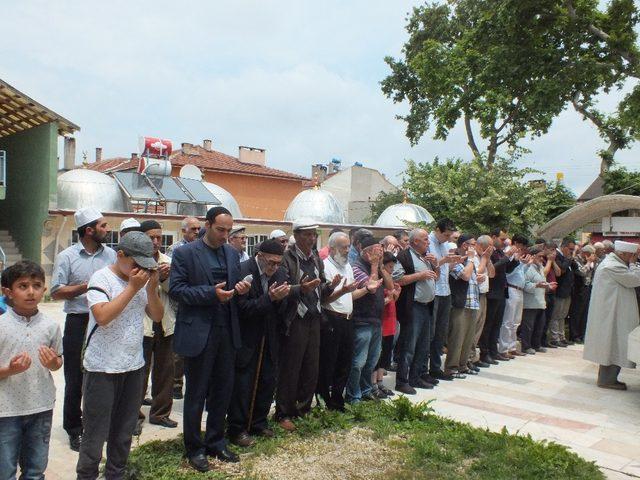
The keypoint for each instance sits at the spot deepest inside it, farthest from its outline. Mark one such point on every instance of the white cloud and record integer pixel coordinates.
(298, 78)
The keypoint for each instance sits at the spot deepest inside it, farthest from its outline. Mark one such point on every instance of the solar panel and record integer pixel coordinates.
(198, 191)
(136, 186)
(169, 189)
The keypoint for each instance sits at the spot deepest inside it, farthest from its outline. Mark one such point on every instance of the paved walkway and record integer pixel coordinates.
(550, 396)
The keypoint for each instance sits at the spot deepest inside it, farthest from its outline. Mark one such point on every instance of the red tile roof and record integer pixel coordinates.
(203, 159)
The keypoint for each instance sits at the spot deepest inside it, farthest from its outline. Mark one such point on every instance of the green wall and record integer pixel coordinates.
(32, 164)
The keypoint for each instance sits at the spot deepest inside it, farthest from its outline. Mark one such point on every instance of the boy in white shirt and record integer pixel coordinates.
(31, 346)
(113, 357)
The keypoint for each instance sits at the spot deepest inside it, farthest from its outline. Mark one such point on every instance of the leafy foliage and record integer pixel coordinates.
(621, 180)
(512, 66)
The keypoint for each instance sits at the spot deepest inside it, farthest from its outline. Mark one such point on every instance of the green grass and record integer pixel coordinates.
(429, 447)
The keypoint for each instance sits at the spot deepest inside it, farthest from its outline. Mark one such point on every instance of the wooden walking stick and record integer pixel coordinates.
(255, 384)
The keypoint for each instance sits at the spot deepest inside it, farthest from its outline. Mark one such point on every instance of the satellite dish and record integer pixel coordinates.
(192, 172)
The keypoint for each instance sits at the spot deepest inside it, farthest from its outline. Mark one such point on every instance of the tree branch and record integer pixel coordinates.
(470, 140)
(607, 157)
(601, 34)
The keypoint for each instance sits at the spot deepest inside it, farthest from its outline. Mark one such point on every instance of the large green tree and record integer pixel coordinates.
(480, 199)
(511, 66)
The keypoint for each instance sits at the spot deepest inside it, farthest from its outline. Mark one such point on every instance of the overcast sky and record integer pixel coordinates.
(298, 78)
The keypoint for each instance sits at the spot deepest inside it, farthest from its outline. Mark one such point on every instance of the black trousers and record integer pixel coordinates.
(578, 313)
(75, 329)
(208, 377)
(491, 331)
(243, 390)
(299, 363)
(111, 405)
(531, 328)
(336, 352)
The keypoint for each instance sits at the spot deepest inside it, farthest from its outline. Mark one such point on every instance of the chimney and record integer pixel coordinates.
(188, 149)
(98, 154)
(69, 153)
(255, 156)
(207, 145)
(318, 172)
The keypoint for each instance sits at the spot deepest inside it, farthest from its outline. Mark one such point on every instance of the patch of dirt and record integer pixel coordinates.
(348, 455)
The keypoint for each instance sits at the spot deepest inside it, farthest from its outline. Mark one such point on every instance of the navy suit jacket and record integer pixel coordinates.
(191, 284)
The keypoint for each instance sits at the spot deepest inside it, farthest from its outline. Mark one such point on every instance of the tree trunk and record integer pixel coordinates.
(470, 140)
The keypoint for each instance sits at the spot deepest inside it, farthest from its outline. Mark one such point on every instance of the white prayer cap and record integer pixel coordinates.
(628, 247)
(129, 223)
(85, 216)
(304, 224)
(277, 234)
(598, 246)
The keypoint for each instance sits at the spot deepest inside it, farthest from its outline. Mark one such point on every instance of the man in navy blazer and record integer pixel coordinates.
(205, 280)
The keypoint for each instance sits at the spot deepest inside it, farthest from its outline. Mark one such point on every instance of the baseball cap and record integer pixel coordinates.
(138, 246)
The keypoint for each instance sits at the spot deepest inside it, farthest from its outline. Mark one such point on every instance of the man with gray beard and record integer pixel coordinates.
(336, 333)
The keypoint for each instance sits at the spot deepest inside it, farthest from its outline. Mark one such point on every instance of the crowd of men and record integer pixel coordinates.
(231, 333)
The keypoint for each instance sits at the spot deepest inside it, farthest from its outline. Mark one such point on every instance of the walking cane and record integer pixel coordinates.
(255, 384)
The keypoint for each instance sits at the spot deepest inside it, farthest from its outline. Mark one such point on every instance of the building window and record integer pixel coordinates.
(111, 240)
(252, 241)
(167, 241)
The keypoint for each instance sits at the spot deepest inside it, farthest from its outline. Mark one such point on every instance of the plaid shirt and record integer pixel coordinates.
(473, 292)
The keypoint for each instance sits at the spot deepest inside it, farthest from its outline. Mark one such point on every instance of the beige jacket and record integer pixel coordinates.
(169, 318)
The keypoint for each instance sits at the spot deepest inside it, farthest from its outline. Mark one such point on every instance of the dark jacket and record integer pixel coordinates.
(258, 314)
(404, 304)
(191, 284)
(291, 264)
(502, 265)
(565, 280)
(368, 308)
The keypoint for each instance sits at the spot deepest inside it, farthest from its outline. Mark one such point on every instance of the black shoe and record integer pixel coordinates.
(430, 379)
(225, 455)
(552, 345)
(369, 397)
(177, 394)
(406, 389)
(74, 442)
(147, 402)
(199, 462)
(266, 432)
(488, 359)
(569, 342)
(473, 368)
(421, 384)
(164, 422)
(388, 392)
(243, 439)
(379, 394)
(440, 375)
(481, 364)
(502, 357)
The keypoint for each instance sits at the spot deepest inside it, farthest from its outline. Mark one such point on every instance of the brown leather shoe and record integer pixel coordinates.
(516, 353)
(243, 439)
(286, 424)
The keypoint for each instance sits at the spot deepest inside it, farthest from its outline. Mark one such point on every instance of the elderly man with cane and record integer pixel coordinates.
(260, 313)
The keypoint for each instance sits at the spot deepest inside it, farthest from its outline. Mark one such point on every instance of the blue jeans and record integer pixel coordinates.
(24, 440)
(441, 311)
(367, 342)
(414, 343)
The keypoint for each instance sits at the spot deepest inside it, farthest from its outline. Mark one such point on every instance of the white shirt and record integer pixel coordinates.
(31, 391)
(484, 286)
(117, 346)
(343, 304)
